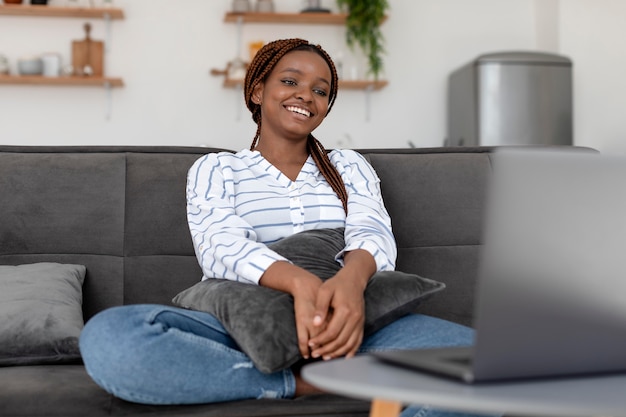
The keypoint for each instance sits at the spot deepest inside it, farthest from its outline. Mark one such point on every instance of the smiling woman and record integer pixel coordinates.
(240, 206)
(309, 82)
(294, 94)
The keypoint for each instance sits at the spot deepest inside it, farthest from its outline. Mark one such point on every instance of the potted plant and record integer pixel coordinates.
(363, 29)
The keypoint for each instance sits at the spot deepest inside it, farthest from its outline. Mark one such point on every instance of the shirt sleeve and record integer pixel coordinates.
(368, 224)
(226, 245)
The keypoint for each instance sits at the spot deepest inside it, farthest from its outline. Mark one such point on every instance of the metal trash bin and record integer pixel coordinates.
(511, 98)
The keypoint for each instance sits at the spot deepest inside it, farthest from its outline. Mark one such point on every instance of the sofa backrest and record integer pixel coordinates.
(436, 198)
(121, 212)
(118, 211)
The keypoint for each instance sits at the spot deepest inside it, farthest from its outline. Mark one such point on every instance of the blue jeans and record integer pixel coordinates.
(154, 354)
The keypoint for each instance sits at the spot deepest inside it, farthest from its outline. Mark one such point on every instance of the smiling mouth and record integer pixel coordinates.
(299, 110)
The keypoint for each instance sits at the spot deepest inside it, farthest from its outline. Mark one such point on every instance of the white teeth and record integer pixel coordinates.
(299, 110)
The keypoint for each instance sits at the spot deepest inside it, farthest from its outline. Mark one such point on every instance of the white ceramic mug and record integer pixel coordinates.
(51, 64)
(265, 6)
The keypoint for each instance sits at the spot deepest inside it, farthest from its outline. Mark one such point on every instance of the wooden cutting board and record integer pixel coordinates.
(88, 52)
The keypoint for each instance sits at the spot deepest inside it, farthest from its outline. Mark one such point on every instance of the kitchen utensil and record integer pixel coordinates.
(88, 55)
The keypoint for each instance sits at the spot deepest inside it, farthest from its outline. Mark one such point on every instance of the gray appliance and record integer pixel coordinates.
(511, 98)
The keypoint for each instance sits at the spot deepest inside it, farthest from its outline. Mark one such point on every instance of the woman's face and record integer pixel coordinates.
(294, 98)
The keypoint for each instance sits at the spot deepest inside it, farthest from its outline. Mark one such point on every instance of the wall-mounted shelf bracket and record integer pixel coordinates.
(107, 31)
(109, 100)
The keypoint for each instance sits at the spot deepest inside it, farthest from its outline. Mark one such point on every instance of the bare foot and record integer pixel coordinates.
(304, 388)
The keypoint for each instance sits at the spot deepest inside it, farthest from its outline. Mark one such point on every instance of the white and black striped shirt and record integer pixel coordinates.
(239, 203)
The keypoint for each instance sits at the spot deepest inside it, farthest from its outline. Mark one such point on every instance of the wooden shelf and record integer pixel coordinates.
(61, 81)
(107, 14)
(362, 84)
(293, 18)
(343, 84)
(54, 11)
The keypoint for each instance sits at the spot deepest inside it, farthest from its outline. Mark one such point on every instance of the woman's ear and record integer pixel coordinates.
(257, 94)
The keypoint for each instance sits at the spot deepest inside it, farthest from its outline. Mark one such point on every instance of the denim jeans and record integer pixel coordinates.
(154, 354)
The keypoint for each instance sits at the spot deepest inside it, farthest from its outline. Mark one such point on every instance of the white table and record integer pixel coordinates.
(389, 387)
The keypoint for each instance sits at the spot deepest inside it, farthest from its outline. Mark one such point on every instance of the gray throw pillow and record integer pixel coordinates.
(261, 320)
(40, 313)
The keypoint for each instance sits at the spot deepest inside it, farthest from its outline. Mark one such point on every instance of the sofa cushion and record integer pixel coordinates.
(68, 391)
(41, 310)
(261, 320)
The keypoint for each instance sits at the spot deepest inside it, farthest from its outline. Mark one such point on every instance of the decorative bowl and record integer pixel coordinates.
(30, 66)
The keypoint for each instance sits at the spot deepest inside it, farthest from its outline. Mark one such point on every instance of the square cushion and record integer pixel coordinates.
(261, 320)
(40, 313)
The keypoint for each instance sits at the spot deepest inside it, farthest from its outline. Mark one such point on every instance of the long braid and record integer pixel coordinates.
(328, 170)
(261, 66)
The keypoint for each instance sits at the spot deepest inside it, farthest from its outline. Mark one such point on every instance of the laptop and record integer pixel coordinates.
(551, 291)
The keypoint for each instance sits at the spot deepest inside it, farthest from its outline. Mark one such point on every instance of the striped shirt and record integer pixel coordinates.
(239, 203)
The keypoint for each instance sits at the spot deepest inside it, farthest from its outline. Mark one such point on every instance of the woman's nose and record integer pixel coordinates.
(304, 94)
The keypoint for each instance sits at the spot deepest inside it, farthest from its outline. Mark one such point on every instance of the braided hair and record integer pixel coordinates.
(259, 69)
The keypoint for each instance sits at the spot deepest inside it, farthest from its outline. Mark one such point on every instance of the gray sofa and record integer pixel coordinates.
(120, 211)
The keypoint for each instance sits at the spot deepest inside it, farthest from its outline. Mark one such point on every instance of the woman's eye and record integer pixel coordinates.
(289, 82)
(320, 92)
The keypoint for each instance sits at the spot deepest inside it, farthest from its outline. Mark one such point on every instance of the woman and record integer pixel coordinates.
(237, 205)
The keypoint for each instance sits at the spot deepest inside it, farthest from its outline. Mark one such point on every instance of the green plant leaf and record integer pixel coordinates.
(363, 29)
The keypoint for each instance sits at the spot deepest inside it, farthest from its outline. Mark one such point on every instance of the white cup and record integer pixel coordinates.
(265, 6)
(241, 6)
(51, 64)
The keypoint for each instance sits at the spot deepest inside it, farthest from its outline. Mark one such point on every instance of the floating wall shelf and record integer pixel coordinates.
(61, 81)
(293, 18)
(107, 14)
(54, 11)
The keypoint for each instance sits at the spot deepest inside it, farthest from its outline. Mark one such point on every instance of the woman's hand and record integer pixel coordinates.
(304, 287)
(341, 326)
(304, 303)
(340, 308)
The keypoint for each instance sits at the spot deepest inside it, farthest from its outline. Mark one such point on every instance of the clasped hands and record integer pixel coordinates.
(329, 315)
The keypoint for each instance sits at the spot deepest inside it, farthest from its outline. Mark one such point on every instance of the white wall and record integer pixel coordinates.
(592, 33)
(164, 50)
